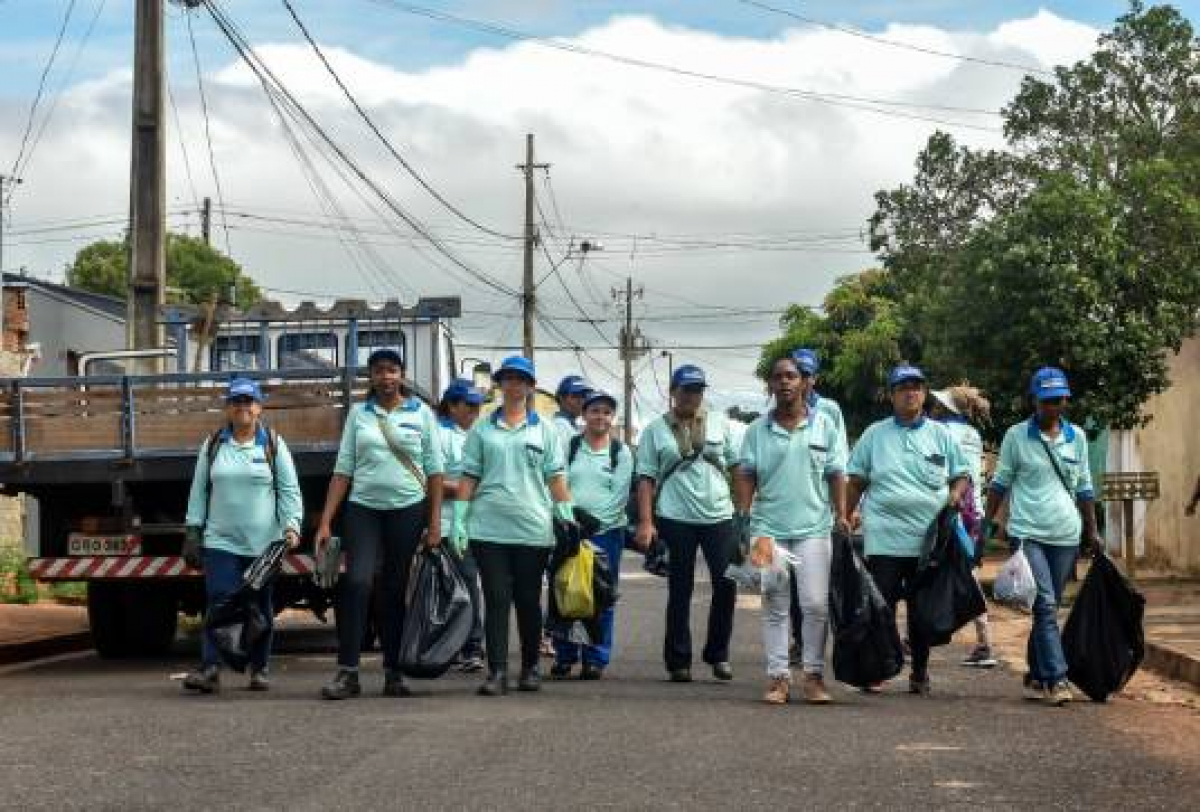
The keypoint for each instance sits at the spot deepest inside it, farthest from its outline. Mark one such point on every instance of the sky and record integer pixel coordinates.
(725, 198)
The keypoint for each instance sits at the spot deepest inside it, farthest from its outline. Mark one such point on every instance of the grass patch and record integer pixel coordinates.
(16, 586)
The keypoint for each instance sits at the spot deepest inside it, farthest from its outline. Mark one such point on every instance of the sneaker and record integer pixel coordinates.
(920, 686)
(1058, 695)
(547, 647)
(814, 690)
(980, 657)
(561, 670)
(343, 685)
(471, 664)
(530, 679)
(393, 684)
(778, 691)
(723, 671)
(206, 679)
(1032, 690)
(680, 674)
(590, 671)
(259, 681)
(496, 683)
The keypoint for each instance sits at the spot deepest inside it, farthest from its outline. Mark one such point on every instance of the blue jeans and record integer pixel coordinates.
(598, 654)
(222, 575)
(1051, 564)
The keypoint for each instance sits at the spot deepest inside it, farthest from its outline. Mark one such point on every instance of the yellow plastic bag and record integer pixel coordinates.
(573, 585)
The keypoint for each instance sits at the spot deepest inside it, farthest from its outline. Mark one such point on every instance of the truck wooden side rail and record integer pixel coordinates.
(108, 461)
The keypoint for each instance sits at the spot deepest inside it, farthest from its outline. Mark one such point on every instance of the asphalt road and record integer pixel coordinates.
(82, 733)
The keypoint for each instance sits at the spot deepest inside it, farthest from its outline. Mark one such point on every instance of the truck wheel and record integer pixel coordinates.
(131, 620)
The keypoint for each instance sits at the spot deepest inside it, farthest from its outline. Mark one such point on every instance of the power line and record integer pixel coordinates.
(212, 158)
(187, 161)
(41, 89)
(383, 138)
(854, 32)
(860, 103)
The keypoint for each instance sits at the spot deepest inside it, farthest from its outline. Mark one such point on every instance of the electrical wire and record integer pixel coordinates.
(426, 185)
(187, 161)
(212, 158)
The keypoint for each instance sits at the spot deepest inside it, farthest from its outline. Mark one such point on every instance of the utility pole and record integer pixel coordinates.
(6, 183)
(633, 345)
(531, 237)
(147, 186)
(206, 221)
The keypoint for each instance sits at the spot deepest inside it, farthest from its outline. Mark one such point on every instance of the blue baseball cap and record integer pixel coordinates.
(1049, 382)
(807, 361)
(244, 388)
(572, 385)
(598, 396)
(904, 372)
(385, 354)
(464, 390)
(688, 375)
(518, 364)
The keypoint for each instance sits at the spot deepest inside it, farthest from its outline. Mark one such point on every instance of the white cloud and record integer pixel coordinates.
(633, 151)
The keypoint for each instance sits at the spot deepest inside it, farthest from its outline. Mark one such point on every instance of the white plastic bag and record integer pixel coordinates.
(766, 578)
(1015, 585)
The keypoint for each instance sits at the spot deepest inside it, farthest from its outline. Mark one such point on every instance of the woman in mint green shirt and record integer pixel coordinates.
(513, 484)
(244, 496)
(389, 471)
(909, 468)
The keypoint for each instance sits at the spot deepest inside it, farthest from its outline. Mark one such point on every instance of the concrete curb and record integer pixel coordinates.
(11, 653)
(1172, 663)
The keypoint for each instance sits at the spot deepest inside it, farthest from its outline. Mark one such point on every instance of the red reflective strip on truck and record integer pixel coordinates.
(75, 568)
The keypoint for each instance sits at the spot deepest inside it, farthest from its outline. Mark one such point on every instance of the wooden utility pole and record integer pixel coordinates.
(528, 301)
(206, 221)
(632, 346)
(147, 187)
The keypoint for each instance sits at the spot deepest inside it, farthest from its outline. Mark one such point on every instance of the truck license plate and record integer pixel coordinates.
(82, 544)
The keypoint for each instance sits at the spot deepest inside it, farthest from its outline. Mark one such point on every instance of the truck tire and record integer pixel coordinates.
(131, 619)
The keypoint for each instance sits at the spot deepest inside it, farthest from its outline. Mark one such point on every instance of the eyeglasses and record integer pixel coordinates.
(1058, 401)
(693, 389)
(240, 400)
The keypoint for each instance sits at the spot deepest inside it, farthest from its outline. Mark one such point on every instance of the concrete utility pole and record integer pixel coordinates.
(206, 221)
(147, 185)
(531, 237)
(632, 346)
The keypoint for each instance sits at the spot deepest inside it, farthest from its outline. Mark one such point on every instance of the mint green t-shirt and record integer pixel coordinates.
(831, 409)
(513, 466)
(378, 479)
(452, 437)
(971, 443)
(1040, 507)
(907, 468)
(246, 510)
(792, 471)
(698, 492)
(598, 487)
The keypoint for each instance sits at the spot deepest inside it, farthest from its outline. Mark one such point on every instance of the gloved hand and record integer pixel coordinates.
(458, 530)
(565, 512)
(193, 546)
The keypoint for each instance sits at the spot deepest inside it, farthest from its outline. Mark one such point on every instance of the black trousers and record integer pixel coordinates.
(511, 575)
(717, 541)
(894, 576)
(377, 542)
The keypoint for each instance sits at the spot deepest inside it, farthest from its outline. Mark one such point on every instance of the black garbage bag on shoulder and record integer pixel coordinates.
(438, 618)
(236, 623)
(866, 644)
(1103, 638)
(945, 594)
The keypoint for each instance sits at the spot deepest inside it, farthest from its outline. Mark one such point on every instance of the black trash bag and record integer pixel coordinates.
(604, 595)
(656, 562)
(945, 595)
(236, 623)
(1103, 638)
(866, 644)
(437, 621)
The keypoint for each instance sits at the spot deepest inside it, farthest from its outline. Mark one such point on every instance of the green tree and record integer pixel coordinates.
(196, 272)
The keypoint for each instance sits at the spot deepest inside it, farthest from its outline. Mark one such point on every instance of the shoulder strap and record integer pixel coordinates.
(401, 455)
(614, 452)
(1054, 463)
(573, 446)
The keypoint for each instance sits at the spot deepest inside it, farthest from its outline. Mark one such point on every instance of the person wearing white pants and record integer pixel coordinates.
(789, 485)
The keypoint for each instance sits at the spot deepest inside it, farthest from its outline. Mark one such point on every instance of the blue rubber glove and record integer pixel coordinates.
(458, 531)
(565, 511)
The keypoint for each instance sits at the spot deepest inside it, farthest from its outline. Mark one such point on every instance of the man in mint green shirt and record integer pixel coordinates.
(904, 469)
(1043, 471)
(599, 472)
(791, 480)
(683, 462)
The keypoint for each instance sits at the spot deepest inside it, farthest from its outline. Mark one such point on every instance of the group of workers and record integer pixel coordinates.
(490, 489)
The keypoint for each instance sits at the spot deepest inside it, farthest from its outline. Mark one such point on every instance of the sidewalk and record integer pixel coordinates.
(1172, 620)
(40, 630)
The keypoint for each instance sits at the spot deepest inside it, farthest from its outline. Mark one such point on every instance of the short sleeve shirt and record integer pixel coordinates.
(1040, 506)
(598, 487)
(379, 480)
(698, 491)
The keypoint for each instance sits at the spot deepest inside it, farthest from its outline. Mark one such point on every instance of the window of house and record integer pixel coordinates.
(371, 340)
(308, 350)
(233, 353)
